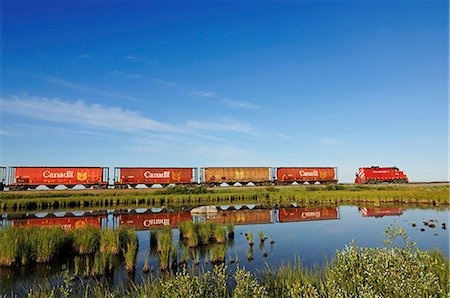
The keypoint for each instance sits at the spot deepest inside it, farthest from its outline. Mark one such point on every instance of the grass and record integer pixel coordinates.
(250, 238)
(398, 270)
(166, 248)
(262, 236)
(86, 240)
(220, 234)
(110, 242)
(436, 195)
(217, 253)
(25, 245)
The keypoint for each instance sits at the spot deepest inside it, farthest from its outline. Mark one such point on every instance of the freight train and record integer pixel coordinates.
(23, 178)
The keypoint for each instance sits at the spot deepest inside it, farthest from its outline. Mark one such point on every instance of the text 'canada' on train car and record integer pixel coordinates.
(22, 178)
(131, 177)
(323, 175)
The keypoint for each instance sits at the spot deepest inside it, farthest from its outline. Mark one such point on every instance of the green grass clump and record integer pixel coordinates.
(48, 243)
(10, 244)
(166, 248)
(220, 234)
(187, 229)
(86, 240)
(262, 236)
(217, 253)
(230, 230)
(250, 238)
(205, 232)
(110, 242)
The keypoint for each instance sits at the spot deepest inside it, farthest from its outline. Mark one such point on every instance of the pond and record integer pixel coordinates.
(310, 235)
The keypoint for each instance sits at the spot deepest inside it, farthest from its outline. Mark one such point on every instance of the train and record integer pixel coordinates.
(24, 178)
(376, 174)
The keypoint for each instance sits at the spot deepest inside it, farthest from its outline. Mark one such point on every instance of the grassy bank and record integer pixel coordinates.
(331, 194)
(399, 270)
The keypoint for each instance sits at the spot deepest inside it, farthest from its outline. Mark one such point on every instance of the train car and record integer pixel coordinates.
(22, 178)
(67, 222)
(307, 214)
(2, 178)
(148, 220)
(130, 177)
(374, 175)
(288, 175)
(380, 212)
(217, 175)
(241, 217)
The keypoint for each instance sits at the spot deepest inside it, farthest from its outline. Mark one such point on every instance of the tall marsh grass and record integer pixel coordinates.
(399, 270)
(24, 245)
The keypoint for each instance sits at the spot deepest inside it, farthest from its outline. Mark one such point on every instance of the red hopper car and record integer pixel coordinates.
(307, 214)
(124, 177)
(21, 178)
(310, 175)
(379, 175)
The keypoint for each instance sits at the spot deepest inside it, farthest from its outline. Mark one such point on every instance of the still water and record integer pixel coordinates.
(311, 235)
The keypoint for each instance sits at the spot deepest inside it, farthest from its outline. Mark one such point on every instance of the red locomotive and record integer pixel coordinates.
(124, 177)
(310, 175)
(379, 175)
(22, 178)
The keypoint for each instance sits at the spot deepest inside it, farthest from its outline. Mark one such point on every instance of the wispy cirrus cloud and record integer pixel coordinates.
(89, 89)
(233, 103)
(113, 118)
(129, 75)
(81, 113)
(165, 84)
(139, 58)
(328, 141)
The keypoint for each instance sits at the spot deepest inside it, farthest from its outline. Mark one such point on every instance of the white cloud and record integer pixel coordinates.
(165, 84)
(98, 116)
(88, 89)
(138, 58)
(130, 75)
(81, 113)
(328, 141)
(233, 103)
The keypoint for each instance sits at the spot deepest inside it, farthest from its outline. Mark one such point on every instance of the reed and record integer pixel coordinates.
(355, 272)
(166, 248)
(262, 236)
(230, 230)
(271, 241)
(10, 243)
(250, 238)
(130, 256)
(193, 240)
(48, 243)
(205, 232)
(86, 240)
(217, 253)
(220, 234)
(187, 229)
(146, 267)
(110, 241)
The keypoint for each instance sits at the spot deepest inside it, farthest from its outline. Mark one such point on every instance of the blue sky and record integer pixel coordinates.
(210, 83)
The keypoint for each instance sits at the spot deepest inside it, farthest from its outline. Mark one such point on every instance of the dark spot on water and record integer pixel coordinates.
(414, 225)
(425, 223)
(422, 230)
(432, 226)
